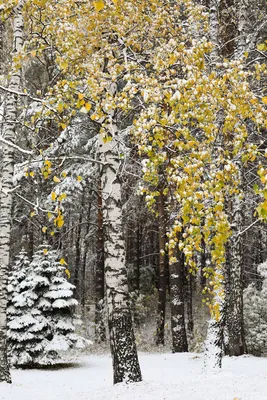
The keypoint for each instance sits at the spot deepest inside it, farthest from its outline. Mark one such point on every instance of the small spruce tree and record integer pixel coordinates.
(255, 314)
(27, 328)
(45, 305)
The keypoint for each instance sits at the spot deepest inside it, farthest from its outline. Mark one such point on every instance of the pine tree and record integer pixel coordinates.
(43, 326)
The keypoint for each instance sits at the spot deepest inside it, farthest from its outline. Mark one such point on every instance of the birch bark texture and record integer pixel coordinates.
(214, 340)
(122, 340)
(235, 323)
(9, 133)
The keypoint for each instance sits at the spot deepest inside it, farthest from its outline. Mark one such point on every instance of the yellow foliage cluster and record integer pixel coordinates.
(190, 124)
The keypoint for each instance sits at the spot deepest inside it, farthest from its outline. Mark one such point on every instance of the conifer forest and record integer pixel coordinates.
(133, 198)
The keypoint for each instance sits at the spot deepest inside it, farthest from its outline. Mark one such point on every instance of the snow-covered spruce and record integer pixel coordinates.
(40, 314)
(255, 313)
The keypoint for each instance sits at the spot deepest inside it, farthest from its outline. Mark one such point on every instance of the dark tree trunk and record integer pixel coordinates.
(189, 303)
(203, 263)
(100, 330)
(84, 263)
(161, 274)
(179, 339)
(76, 280)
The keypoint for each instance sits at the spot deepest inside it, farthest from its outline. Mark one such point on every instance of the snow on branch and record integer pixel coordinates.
(21, 150)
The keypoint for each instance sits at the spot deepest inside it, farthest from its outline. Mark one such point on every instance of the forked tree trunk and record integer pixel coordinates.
(162, 273)
(6, 191)
(100, 330)
(122, 340)
(179, 338)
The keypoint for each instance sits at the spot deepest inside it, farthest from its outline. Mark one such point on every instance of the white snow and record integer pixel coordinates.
(166, 377)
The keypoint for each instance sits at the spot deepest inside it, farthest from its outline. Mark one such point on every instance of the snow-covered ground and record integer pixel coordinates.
(166, 377)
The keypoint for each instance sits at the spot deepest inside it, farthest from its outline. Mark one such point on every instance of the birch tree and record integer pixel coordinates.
(9, 134)
(122, 341)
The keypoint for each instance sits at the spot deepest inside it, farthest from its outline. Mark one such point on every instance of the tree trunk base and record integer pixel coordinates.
(123, 349)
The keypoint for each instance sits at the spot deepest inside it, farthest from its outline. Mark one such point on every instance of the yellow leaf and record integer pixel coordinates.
(79, 178)
(56, 179)
(80, 96)
(49, 214)
(67, 273)
(31, 174)
(261, 46)
(62, 261)
(63, 125)
(33, 53)
(64, 174)
(99, 5)
(60, 107)
(60, 222)
(88, 106)
(264, 100)
(64, 65)
(45, 251)
(48, 163)
(53, 196)
(32, 214)
(26, 174)
(44, 229)
(62, 196)
(52, 233)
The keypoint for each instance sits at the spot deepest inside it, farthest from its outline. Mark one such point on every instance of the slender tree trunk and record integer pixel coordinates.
(76, 279)
(189, 308)
(235, 324)
(86, 247)
(203, 263)
(214, 345)
(179, 339)
(100, 330)
(214, 341)
(6, 191)
(122, 340)
(162, 273)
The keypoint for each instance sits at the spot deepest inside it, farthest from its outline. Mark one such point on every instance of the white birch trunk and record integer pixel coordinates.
(214, 340)
(6, 190)
(213, 344)
(122, 341)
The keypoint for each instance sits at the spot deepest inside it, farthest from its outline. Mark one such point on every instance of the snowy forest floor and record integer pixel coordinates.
(166, 377)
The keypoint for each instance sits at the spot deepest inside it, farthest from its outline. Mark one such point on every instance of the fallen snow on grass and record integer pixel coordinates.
(166, 377)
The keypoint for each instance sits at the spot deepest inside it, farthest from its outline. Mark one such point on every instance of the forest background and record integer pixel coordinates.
(133, 144)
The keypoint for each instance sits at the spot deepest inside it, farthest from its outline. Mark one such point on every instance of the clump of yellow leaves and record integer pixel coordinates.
(189, 156)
